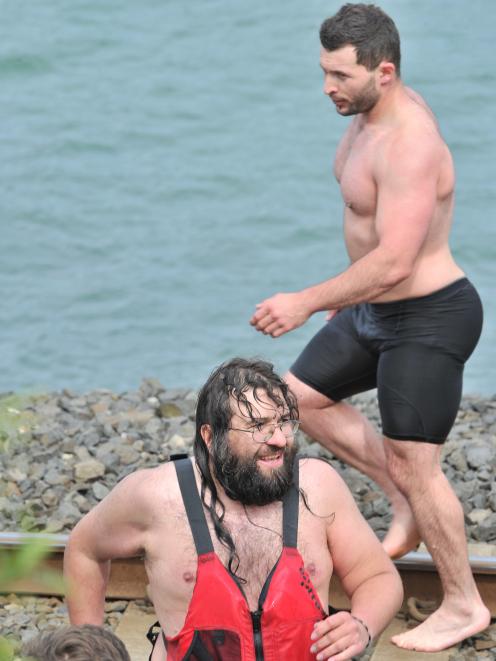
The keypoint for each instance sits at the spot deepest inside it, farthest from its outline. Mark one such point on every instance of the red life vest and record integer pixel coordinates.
(219, 625)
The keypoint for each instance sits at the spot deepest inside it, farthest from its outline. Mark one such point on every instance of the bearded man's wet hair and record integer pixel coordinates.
(228, 385)
(366, 27)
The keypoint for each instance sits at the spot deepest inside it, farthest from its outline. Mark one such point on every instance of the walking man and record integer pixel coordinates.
(402, 317)
(240, 544)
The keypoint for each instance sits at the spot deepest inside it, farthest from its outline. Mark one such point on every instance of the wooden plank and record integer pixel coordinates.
(127, 579)
(386, 651)
(426, 586)
(132, 631)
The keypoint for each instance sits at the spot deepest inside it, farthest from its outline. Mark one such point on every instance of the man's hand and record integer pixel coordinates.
(331, 314)
(339, 637)
(280, 313)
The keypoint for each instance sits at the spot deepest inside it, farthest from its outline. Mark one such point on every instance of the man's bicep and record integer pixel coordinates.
(406, 199)
(356, 552)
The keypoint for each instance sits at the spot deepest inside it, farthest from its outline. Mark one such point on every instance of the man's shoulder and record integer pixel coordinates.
(414, 144)
(151, 483)
(318, 473)
(325, 489)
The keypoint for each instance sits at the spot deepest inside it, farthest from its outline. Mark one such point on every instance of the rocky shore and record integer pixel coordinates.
(64, 451)
(61, 453)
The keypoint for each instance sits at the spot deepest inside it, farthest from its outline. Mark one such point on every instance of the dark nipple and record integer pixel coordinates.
(188, 576)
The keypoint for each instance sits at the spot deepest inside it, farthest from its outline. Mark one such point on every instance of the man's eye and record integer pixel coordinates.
(257, 427)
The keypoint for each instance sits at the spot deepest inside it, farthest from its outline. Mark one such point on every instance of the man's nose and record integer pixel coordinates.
(278, 438)
(329, 88)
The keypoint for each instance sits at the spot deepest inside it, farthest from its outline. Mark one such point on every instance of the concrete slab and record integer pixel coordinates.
(386, 651)
(132, 631)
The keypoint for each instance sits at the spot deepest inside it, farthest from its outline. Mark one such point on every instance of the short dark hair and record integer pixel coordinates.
(77, 643)
(366, 27)
(231, 381)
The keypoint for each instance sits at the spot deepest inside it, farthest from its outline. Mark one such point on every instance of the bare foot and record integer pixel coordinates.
(403, 535)
(443, 629)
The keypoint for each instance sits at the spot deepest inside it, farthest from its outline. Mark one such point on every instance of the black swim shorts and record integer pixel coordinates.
(413, 351)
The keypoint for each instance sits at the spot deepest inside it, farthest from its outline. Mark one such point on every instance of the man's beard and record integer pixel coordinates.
(364, 101)
(242, 480)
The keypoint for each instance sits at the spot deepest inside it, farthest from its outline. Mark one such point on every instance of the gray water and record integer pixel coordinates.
(167, 165)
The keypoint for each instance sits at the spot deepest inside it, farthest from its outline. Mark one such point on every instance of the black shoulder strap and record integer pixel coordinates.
(193, 506)
(290, 505)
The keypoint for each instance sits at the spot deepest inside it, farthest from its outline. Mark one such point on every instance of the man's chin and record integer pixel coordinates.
(345, 111)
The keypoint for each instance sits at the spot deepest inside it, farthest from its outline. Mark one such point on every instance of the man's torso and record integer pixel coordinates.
(360, 154)
(171, 559)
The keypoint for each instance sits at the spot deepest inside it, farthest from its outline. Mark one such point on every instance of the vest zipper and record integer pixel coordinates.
(256, 617)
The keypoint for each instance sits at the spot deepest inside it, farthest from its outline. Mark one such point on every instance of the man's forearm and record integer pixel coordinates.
(364, 280)
(86, 585)
(377, 601)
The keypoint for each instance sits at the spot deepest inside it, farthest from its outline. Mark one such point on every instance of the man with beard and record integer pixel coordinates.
(402, 317)
(240, 544)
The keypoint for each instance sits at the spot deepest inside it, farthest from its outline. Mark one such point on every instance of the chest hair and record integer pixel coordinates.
(258, 547)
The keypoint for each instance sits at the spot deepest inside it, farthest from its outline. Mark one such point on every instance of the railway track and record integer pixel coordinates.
(128, 581)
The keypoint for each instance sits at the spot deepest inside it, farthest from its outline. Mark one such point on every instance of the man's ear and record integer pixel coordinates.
(206, 434)
(387, 72)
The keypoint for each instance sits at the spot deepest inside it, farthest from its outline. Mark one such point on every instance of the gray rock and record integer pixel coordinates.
(175, 444)
(169, 410)
(82, 503)
(479, 500)
(89, 470)
(82, 453)
(486, 530)
(153, 427)
(458, 460)
(485, 476)
(15, 474)
(99, 490)
(54, 477)
(49, 498)
(127, 454)
(479, 456)
(478, 516)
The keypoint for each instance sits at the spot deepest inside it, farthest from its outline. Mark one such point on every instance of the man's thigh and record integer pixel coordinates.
(335, 363)
(419, 390)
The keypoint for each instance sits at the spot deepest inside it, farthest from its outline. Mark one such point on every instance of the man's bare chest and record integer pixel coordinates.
(172, 563)
(354, 170)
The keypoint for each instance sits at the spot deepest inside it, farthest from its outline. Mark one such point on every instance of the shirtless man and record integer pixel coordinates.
(402, 317)
(244, 466)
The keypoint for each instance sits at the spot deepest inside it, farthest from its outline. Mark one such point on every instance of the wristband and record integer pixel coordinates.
(357, 619)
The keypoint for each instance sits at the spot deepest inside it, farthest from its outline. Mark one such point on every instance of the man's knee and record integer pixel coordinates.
(411, 465)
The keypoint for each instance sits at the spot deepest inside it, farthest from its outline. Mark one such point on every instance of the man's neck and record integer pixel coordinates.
(385, 110)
